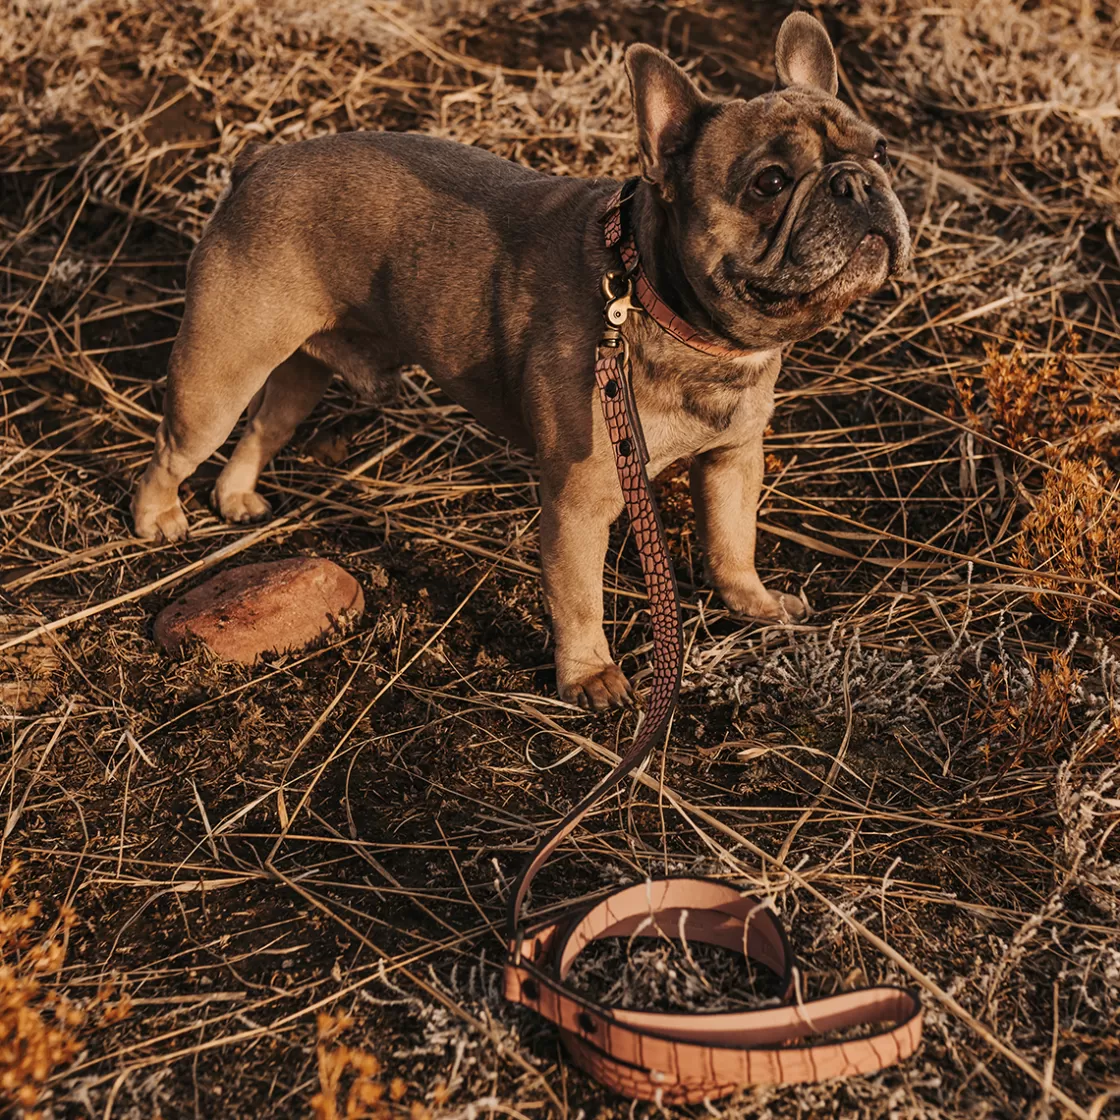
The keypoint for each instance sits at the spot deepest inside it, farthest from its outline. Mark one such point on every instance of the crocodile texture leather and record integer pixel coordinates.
(649, 1055)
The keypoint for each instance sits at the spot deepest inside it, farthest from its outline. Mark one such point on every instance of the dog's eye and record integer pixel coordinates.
(770, 182)
(880, 153)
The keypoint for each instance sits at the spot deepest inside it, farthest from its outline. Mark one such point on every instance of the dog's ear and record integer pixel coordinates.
(669, 111)
(804, 55)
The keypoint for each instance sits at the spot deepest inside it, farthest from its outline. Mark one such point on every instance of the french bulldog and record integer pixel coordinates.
(758, 222)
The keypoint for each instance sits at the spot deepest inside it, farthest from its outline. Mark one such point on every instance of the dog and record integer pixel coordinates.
(758, 222)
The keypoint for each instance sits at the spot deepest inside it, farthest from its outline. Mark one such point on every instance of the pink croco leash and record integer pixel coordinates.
(653, 1055)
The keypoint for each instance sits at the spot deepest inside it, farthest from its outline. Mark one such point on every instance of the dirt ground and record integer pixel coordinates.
(278, 891)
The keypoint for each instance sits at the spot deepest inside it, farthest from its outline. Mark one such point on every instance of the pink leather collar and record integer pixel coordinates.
(619, 234)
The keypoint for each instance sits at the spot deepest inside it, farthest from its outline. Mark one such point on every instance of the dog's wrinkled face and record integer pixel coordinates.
(781, 207)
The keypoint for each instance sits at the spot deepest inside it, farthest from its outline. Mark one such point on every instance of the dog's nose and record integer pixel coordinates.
(850, 182)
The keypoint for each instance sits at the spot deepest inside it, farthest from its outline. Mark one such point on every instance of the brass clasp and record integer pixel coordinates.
(619, 304)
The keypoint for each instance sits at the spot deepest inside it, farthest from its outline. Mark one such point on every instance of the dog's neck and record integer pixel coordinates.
(657, 239)
(675, 374)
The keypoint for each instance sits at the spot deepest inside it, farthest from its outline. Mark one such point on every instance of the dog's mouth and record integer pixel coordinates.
(873, 260)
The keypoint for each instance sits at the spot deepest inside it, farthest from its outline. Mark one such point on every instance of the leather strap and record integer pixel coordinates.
(651, 1055)
(620, 235)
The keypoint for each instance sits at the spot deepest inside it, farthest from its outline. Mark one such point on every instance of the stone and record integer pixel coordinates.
(280, 606)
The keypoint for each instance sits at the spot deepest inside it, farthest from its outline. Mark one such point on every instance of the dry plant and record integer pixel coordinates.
(1063, 422)
(929, 761)
(42, 1029)
(25, 674)
(1071, 538)
(1013, 725)
(367, 1095)
(1050, 405)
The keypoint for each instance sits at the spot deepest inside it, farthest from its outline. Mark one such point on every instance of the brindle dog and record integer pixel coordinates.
(757, 221)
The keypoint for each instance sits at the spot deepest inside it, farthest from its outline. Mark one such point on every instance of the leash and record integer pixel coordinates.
(652, 1055)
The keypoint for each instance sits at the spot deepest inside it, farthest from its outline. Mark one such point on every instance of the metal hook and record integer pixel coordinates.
(618, 306)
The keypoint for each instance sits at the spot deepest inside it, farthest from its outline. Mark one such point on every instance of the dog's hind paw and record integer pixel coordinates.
(607, 688)
(165, 527)
(243, 506)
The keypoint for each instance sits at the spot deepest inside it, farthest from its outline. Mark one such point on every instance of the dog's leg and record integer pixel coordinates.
(576, 515)
(726, 484)
(290, 393)
(226, 349)
(196, 422)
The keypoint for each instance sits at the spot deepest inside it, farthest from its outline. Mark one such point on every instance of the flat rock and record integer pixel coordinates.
(280, 606)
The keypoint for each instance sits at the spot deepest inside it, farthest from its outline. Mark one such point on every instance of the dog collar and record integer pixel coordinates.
(618, 233)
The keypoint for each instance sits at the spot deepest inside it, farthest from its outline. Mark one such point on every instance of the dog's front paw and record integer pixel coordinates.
(605, 688)
(242, 506)
(766, 606)
(165, 526)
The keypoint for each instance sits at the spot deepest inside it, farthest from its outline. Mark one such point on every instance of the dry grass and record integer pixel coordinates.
(41, 1027)
(349, 1085)
(294, 868)
(1062, 424)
